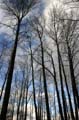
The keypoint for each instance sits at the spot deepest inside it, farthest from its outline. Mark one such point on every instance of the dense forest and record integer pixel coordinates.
(39, 60)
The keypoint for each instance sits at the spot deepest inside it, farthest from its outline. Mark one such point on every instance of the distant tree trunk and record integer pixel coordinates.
(9, 76)
(69, 97)
(23, 102)
(57, 91)
(74, 87)
(61, 82)
(26, 101)
(26, 108)
(18, 107)
(44, 116)
(14, 105)
(40, 101)
(54, 104)
(33, 82)
(39, 111)
(30, 113)
(45, 84)
(3, 86)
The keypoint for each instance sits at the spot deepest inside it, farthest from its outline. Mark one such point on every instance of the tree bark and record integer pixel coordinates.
(34, 86)
(61, 82)
(18, 107)
(57, 91)
(69, 97)
(9, 76)
(45, 84)
(74, 87)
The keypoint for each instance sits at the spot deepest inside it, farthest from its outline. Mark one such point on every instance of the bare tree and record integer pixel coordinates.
(71, 42)
(18, 9)
(54, 35)
(39, 28)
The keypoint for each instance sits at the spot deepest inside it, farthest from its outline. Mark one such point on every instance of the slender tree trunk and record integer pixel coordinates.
(61, 82)
(14, 105)
(34, 86)
(22, 101)
(9, 76)
(40, 107)
(26, 104)
(30, 112)
(18, 107)
(41, 100)
(74, 87)
(26, 110)
(54, 105)
(3, 87)
(69, 97)
(60, 72)
(57, 91)
(45, 84)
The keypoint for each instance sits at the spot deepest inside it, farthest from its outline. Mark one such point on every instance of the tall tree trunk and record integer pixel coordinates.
(57, 91)
(61, 82)
(9, 76)
(33, 86)
(45, 84)
(74, 87)
(69, 97)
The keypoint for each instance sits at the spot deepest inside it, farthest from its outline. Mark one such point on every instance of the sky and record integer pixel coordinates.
(5, 20)
(47, 3)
